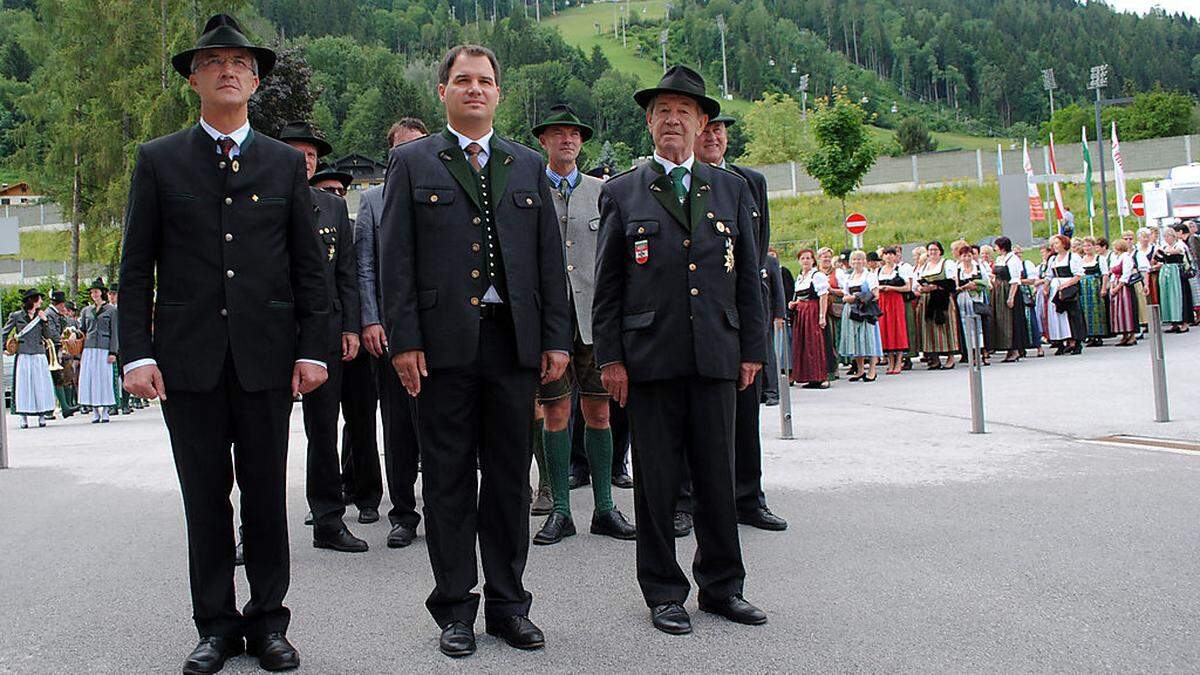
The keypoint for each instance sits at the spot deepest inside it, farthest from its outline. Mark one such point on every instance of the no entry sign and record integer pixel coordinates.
(1138, 205)
(856, 224)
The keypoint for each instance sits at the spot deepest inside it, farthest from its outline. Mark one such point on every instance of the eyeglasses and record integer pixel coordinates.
(339, 191)
(238, 62)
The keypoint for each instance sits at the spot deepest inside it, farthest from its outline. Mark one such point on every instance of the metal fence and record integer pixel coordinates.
(16, 272)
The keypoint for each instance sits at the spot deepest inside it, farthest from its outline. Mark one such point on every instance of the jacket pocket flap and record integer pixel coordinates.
(435, 196)
(426, 298)
(641, 228)
(527, 200)
(637, 321)
(271, 201)
(731, 316)
(179, 197)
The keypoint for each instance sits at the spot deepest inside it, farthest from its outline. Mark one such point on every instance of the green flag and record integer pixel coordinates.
(1087, 171)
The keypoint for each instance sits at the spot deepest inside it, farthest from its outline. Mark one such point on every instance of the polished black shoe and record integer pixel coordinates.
(555, 529)
(517, 631)
(763, 519)
(577, 480)
(401, 535)
(671, 618)
(308, 519)
(613, 524)
(338, 539)
(367, 515)
(274, 652)
(736, 609)
(683, 524)
(210, 655)
(458, 639)
(623, 481)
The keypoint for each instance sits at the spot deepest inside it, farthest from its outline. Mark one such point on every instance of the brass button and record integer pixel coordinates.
(720, 226)
(228, 237)
(710, 215)
(476, 220)
(687, 243)
(474, 274)
(224, 312)
(221, 165)
(228, 201)
(475, 248)
(563, 220)
(692, 267)
(695, 291)
(433, 198)
(528, 201)
(475, 301)
(229, 274)
(570, 268)
(641, 230)
(569, 243)
(254, 198)
(754, 213)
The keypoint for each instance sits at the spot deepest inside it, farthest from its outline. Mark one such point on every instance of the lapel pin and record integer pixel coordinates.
(704, 188)
(236, 166)
(507, 160)
(254, 198)
(433, 198)
(444, 155)
(656, 188)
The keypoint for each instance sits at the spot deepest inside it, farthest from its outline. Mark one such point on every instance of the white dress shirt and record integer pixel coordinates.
(668, 165)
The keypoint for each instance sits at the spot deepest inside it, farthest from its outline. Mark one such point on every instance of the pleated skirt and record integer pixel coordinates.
(1009, 330)
(809, 362)
(1122, 315)
(1095, 309)
(858, 338)
(35, 391)
(893, 325)
(1058, 324)
(1170, 292)
(938, 338)
(96, 378)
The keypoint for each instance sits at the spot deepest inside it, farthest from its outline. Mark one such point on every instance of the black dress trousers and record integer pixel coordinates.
(747, 455)
(483, 410)
(680, 423)
(202, 427)
(323, 484)
(361, 480)
(400, 446)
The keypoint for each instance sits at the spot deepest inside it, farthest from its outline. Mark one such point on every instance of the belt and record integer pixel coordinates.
(493, 310)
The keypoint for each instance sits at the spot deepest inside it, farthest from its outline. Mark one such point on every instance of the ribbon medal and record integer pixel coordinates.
(728, 255)
(641, 251)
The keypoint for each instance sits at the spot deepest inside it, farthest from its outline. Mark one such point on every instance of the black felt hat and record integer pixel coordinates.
(685, 82)
(223, 31)
(725, 118)
(57, 297)
(98, 284)
(562, 115)
(306, 133)
(30, 293)
(326, 172)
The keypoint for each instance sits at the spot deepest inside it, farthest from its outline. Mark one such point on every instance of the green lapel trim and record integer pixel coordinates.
(498, 166)
(665, 194)
(700, 191)
(246, 143)
(456, 162)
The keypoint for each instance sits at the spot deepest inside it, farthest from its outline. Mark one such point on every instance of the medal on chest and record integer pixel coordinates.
(728, 255)
(641, 251)
(329, 238)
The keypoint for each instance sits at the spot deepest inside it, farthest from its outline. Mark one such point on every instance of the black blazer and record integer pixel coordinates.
(238, 268)
(430, 242)
(652, 310)
(335, 234)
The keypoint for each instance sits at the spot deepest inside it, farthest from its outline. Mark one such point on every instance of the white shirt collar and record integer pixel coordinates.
(667, 164)
(485, 142)
(239, 135)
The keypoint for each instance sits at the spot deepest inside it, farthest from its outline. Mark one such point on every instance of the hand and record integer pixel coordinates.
(146, 382)
(749, 371)
(779, 323)
(822, 322)
(616, 382)
(374, 339)
(349, 346)
(41, 315)
(793, 304)
(410, 366)
(554, 364)
(112, 358)
(1010, 303)
(307, 377)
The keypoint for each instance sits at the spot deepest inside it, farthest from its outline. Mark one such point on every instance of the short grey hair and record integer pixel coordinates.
(253, 59)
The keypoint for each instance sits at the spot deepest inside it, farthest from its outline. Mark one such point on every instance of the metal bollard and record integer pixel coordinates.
(1158, 365)
(975, 372)
(785, 391)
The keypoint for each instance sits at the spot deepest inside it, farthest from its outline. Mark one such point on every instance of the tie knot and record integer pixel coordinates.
(474, 149)
(226, 144)
(678, 173)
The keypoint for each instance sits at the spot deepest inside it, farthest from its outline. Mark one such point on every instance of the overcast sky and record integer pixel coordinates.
(1191, 7)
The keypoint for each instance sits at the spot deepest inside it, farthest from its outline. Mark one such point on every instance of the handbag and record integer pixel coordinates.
(982, 308)
(11, 344)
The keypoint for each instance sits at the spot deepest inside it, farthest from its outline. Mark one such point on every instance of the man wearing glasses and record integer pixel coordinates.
(331, 180)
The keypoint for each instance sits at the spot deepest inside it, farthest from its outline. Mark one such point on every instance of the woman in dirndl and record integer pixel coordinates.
(972, 283)
(1093, 293)
(34, 391)
(910, 307)
(1064, 317)
(97, 322)
(1122, 306)
(1172, 297)
(833, 310)
(809, 351)
(894, 285)
(860, 319)
(936, 312)
(1009, 332)
(1143, 255)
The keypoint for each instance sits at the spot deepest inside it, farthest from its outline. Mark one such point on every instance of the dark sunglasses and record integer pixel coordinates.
(339, 191)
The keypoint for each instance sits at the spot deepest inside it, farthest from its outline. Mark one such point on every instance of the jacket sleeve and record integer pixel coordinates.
(778, 294)
(139, 253)
(398, 259)
(114, 346)
(364, 242)
(752, 334)
(9, 324)
(557, 333)
(346, 273)
(309, 292)
(763, 235)
(610, 283)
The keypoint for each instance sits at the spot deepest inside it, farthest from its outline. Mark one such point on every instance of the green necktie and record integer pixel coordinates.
(677, 185)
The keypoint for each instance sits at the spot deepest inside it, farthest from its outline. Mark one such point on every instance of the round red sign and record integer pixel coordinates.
(856, 223)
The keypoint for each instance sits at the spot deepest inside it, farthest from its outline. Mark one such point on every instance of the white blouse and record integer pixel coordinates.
(1056, 261)
(853, 282)
(815, 279)
(930, 269)
(1013, 263)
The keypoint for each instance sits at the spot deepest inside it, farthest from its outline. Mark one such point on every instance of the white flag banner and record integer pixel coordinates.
(1119, 174)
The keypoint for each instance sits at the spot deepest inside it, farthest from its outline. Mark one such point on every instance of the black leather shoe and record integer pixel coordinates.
(763, 519)
(401, 536)
(338, 539)
(368, 515)
(671, 618)
(458, 639)
(308, 519)
(543, 504)
(517, 631)
(771, 401)
(622, 481)
(578, 480)
(683, 524)
(557, 527)
(274, 652)
(209, 656)
(613, 524)
(736, 609)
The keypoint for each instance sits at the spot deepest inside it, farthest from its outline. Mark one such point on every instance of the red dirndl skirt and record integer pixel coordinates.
(893, 329)
(808, 344)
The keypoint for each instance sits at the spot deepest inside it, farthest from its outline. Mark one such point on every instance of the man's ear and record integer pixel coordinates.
(441, 91)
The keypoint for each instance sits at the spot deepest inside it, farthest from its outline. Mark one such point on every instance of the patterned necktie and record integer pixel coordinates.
(226, 144)
(677, 185)
(564, 186)
(473, 150)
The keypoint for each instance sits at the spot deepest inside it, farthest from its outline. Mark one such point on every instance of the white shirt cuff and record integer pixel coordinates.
(315, 363)
(138, 364)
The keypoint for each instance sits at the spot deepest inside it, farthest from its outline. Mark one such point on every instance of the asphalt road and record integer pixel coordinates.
(914, 546)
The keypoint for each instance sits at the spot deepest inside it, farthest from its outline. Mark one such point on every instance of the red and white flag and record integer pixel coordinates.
(1036, 212)
(1119, 173)
(1058, 200)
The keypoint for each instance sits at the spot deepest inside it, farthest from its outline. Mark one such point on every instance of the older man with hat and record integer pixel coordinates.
(751, 501)
(576, 196)
(225, 320)
(679, 329)
(323, 484)
(331, 180)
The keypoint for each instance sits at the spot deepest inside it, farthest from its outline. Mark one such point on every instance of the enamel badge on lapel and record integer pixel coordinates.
(329, 236)
(508, 160)
(235, 166)
(728, 255)
(641, 251)
(444, 155)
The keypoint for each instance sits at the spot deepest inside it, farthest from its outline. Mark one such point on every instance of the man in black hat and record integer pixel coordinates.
(96, 375)
(56, 318)
(323, 479)
(331, 180)
(476, 309)
(221, 217)
(400, 447)
(678, 328)
(751, 501)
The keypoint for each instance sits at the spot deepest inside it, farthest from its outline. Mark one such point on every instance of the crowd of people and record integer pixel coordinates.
(870, 309)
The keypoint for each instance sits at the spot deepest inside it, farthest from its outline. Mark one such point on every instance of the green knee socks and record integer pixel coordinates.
(598, 445)
(558, 464)
(539, 455)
